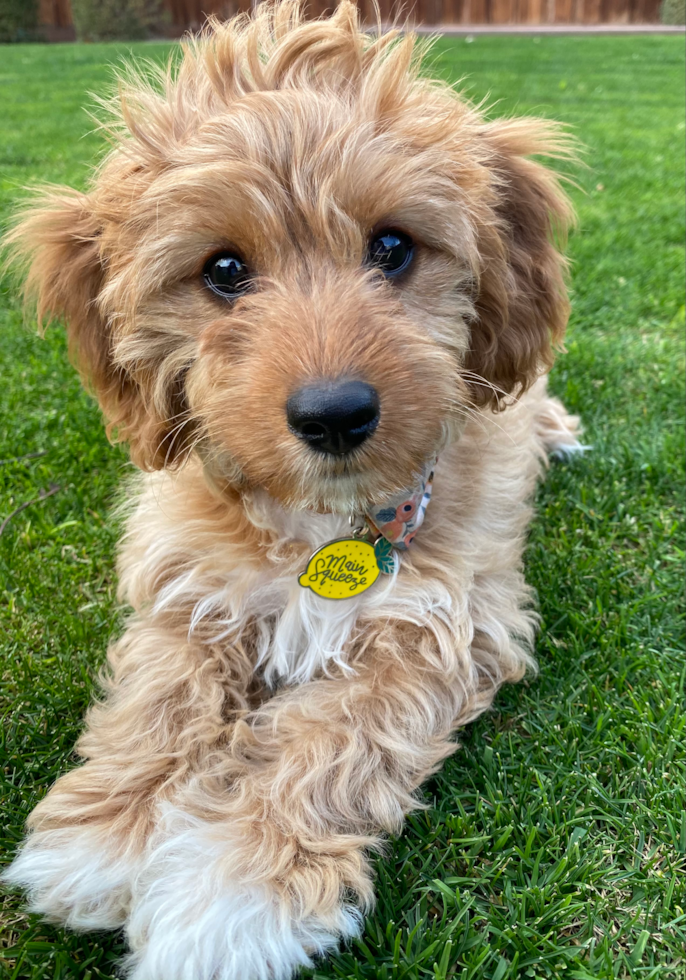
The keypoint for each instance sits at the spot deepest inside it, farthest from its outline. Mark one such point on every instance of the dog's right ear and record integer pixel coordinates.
(59, 238)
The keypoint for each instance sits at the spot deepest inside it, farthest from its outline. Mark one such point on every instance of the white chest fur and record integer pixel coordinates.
(298, 633)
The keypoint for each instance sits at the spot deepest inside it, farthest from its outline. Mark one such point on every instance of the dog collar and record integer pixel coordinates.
(346, 567)
(399, 518)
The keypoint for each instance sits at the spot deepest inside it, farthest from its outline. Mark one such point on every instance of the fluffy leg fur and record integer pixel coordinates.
(75, 875)
(195, 918)
(89, 833)
(252, 872)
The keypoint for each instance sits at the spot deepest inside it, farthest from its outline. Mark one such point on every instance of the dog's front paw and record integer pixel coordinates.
(74, 876)
(192, 921)
(559, 430)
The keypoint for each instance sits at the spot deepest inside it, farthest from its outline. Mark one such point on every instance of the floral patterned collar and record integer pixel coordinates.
(399, 518)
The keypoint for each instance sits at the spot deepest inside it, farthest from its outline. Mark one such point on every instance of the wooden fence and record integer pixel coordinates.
(534, 12)
(190, 14)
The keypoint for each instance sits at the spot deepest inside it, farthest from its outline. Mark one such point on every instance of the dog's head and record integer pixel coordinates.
(304, 260)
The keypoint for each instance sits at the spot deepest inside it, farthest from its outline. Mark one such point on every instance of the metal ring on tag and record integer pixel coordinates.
(361, 531)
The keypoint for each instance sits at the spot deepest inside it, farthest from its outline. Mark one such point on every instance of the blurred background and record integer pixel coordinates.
(99, 20)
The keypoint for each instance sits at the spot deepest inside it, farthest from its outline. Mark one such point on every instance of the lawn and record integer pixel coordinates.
(552, 843)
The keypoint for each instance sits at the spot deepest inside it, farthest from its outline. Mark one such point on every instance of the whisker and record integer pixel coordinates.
(481, 418)
(172, 436)
(479, 379)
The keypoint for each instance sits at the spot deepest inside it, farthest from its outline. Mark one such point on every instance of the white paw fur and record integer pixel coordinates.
(191, 921)
(559, 430)
(73, 876)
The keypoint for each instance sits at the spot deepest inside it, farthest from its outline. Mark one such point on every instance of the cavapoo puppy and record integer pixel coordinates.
(318, 295)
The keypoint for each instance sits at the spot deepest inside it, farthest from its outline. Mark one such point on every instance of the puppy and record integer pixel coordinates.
(311, 289)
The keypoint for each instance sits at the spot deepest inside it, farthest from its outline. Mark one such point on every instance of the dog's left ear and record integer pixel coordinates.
(522, 306)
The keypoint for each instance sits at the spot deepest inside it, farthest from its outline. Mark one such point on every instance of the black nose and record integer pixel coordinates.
(334, 416)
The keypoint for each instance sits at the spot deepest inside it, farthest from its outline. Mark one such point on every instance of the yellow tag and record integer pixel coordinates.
(341, 569)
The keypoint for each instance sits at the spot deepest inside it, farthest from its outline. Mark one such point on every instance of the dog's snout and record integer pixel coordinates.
(334, 416)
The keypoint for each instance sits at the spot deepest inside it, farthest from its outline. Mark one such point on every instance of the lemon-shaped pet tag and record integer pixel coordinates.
(341, 569)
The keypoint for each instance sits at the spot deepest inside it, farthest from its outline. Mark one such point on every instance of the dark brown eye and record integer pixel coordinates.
(227, 275)
(390, 252)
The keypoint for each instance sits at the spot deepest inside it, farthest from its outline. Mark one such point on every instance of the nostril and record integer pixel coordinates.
(334, 416)
(313, 430)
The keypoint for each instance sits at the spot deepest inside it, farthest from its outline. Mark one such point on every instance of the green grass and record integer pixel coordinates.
(553, 840)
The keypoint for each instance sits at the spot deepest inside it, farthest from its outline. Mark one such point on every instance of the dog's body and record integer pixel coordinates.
(256, 739)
